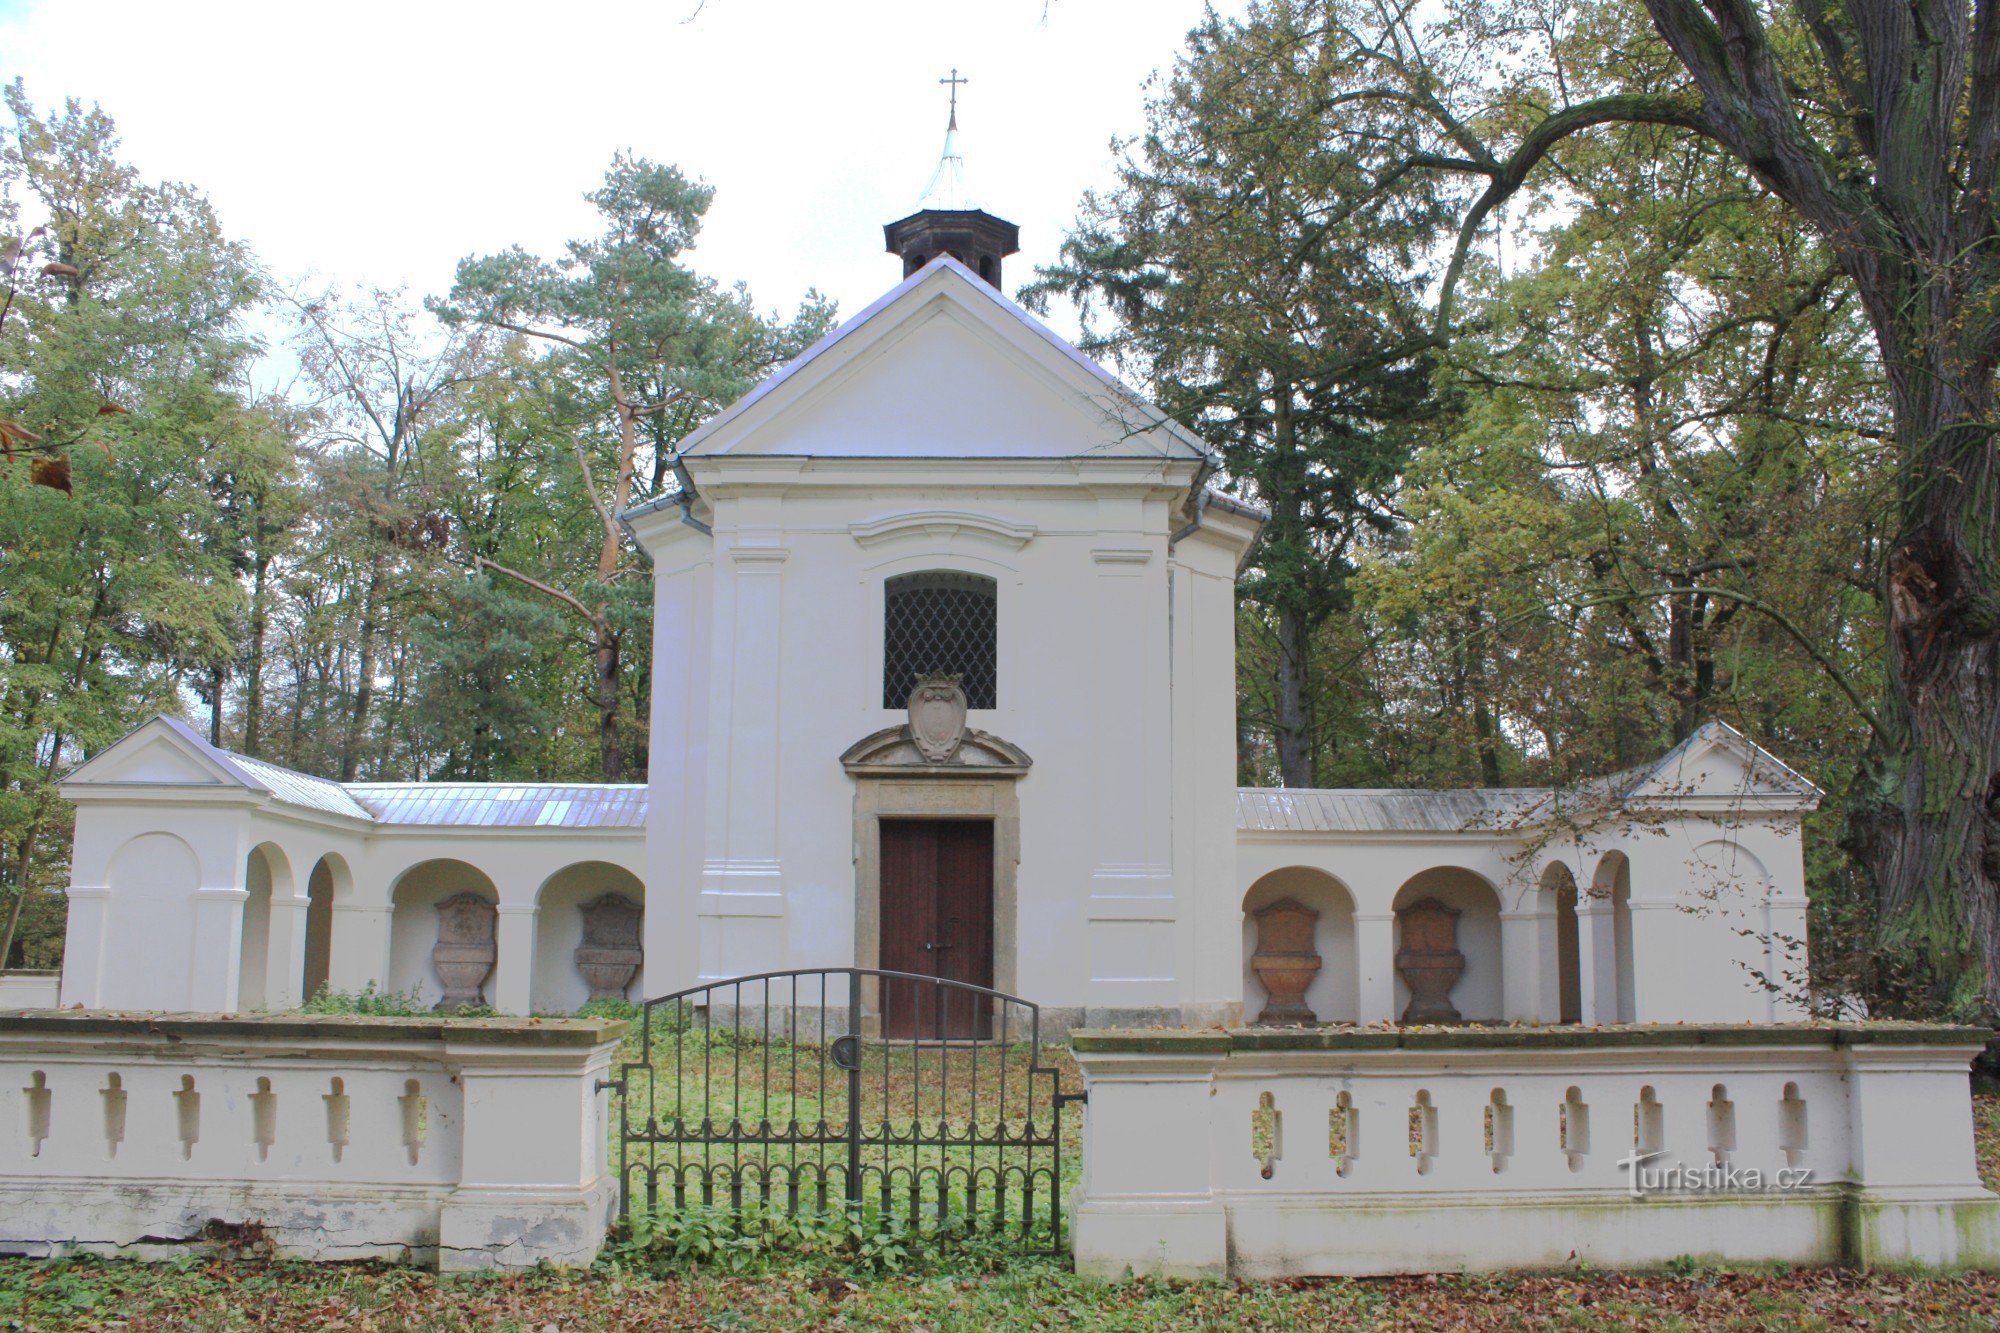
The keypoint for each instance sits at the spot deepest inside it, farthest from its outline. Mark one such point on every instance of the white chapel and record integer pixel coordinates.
(944, 683)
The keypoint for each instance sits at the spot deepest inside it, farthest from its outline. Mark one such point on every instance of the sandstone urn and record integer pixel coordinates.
(610, 952)
(1429, 960)
(1285, 961)
(464, 952)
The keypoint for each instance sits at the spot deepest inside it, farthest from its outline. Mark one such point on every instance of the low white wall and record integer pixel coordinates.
(470, 1144)
(29, 990)
(1284, 1152)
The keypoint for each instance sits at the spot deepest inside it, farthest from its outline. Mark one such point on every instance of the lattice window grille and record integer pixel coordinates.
(940, 621)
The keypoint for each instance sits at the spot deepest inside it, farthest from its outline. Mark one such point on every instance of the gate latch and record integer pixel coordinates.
(846, 1052)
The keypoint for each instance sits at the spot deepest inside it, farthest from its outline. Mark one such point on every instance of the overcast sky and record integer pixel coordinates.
(377, 143)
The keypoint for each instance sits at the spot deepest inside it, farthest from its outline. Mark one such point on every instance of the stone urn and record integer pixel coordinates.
(610, 952)
(465, 951)
(1430, 961)
(1285, 961)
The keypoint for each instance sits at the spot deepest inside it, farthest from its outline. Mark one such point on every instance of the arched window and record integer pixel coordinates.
(940, 621)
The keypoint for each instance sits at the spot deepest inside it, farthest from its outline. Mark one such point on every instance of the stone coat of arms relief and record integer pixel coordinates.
(937, 717)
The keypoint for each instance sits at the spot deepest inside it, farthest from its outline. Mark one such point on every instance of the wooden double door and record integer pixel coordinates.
(937, 921)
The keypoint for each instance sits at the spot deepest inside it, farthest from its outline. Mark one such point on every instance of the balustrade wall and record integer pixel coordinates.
(468, 1144)
(1285, 1152)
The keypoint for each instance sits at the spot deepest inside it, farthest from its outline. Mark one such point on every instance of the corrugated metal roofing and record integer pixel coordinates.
(505, 804)
(302, 789)
(1388, 810)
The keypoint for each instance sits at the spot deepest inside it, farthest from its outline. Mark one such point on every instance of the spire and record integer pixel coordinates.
(946, 220)
(947, 188)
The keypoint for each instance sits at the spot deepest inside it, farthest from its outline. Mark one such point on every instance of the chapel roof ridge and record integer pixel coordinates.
(950, 279)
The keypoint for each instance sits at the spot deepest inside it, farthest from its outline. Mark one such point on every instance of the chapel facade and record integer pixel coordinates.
(944, 683)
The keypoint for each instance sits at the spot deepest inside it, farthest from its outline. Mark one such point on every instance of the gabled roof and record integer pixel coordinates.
(1716, 768)
(166, 753)
(942, 315)
(1715, 763)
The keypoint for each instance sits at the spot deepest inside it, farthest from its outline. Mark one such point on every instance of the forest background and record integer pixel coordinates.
(1574, 436)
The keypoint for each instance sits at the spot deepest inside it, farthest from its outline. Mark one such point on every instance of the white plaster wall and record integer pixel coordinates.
(1334, 994)
(149, 941)
(414, 931)
(1477, 994)
(558, 988)
(1710, 903)
(493, 1153)
(256, 930)
(30, 990)
(793, 678)
(1203, 671)
(1172, 1184)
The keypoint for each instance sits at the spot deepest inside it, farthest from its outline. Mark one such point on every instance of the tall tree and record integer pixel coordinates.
(385, 379)
(1268, 289)
(1878, 125)
(656, 344)
(115, 586)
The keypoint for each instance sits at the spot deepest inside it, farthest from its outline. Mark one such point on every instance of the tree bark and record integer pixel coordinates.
(26, 851)
(1294, 723)
(1294, 735)
(1926, 820)
(610, 751)
(1920, 85)
(364, 677)
(253, 667)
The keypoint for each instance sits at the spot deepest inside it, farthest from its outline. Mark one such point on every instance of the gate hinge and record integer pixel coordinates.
(1065, 1098)
(617, 1083)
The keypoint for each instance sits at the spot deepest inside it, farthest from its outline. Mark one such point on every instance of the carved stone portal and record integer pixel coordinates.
(1430, 961)
(465, 950)
(937, 717)
(1285, 961)
(610, 953)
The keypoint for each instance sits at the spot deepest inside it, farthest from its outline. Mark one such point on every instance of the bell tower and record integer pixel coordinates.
(946, 222)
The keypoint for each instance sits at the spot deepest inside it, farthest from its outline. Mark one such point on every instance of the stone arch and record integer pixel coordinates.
(1611, 942)
(330, 881)
(267, 874)
(1478, 994)
(1725, 874)
(555, 984)
(413, 922)
(1334, 995)
(1564, 942)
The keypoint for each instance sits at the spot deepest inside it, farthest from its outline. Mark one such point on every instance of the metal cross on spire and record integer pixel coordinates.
(954, 81)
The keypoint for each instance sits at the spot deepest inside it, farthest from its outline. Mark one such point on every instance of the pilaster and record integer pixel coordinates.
(1375, 966)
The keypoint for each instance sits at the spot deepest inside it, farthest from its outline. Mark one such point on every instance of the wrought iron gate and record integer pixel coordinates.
(781, 1089)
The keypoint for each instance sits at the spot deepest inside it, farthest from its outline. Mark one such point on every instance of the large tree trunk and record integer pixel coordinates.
(1918, 86)
(610, 752)
(1294, 727)
(364, 680)
(1927, 821)
(253, 666)
(25, 858)
(1294, 730)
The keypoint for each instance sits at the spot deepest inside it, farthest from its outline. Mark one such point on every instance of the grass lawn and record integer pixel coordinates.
(976, 1287)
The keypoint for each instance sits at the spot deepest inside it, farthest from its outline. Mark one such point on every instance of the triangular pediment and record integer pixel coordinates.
(1719, 765)
(942, 367)
(162, 752)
